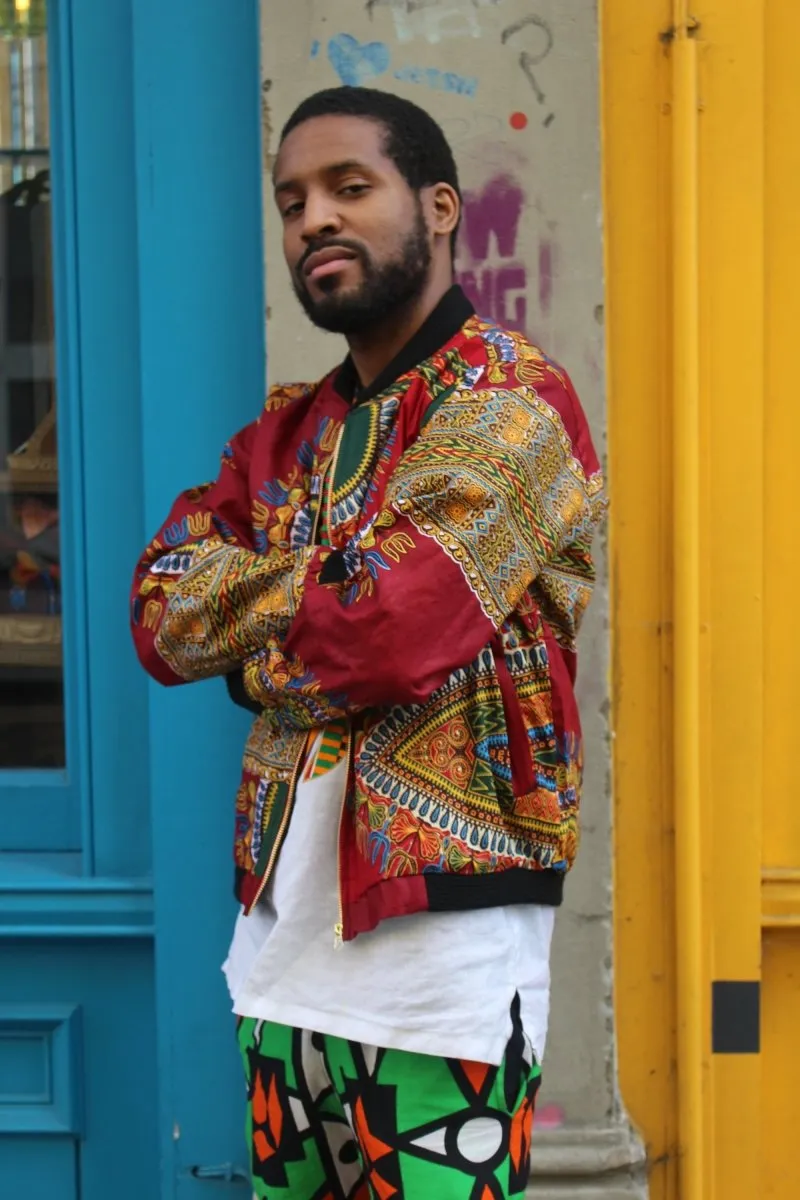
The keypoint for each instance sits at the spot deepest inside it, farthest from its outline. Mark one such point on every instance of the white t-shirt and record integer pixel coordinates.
(430, 983)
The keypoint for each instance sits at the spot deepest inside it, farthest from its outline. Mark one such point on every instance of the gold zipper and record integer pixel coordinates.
(326, 498)
(338, 929)
(323, 475)
(334, 463)
(284, 825)
(328, 470)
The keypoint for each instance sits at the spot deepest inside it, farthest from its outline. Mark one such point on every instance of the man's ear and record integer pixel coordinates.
(444, 208)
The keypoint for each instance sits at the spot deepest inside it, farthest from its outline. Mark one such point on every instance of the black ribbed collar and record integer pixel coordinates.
(452, 311)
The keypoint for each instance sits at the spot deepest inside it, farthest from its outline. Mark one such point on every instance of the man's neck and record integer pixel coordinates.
(375, 349)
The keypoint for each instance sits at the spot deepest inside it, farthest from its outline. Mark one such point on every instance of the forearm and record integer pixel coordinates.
(203, 610)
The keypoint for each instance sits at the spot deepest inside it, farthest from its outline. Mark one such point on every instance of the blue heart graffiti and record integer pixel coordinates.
(355, 62)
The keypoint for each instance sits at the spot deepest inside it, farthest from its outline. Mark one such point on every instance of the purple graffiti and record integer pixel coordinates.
(549, 1116)
(545, 277)
(491, 290)
(491, 269)
(496, 210)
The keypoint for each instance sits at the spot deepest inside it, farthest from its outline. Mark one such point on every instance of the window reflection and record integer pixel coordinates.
(31, 685)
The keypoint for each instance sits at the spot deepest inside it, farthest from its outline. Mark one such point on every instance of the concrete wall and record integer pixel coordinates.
(514, 84)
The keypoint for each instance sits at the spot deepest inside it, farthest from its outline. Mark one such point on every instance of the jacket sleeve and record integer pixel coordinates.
(203, 598)
(491, 501)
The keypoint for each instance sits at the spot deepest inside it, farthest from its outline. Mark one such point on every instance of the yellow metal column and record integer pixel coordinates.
(692, 1044)
(781, 792)
(684, 128)
(732, 319)
(637, 182)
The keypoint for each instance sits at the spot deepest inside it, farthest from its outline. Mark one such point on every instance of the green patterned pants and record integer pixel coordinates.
(329, 1119)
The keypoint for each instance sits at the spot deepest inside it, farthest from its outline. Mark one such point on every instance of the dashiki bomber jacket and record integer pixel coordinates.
(407, 572)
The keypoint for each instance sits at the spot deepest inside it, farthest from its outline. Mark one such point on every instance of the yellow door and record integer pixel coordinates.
(701, 112)
(780, 791)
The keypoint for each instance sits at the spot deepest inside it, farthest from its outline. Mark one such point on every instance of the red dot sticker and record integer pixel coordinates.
(518, 120)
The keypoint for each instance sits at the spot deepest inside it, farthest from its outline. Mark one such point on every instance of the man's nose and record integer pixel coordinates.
(320, 218)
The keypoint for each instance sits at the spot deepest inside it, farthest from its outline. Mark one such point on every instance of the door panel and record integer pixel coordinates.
(38, 1168)
(780, 791)
(39, 752)
(83, 1070)
(703, 181)
(781, 982)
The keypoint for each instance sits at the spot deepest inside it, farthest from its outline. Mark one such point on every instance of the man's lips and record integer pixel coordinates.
(327, 262)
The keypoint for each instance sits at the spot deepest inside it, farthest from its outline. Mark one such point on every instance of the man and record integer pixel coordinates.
(390, 570)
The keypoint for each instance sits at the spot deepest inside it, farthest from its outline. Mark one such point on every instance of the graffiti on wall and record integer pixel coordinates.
(360, 64)
(430, 19)
(490, 266)
(530, 38)
(506, 281)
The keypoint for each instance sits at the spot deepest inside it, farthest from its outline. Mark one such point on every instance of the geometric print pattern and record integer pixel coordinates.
(330, 1119)
(227, 605)
(330, 750)
(493, 479)
(436, 789)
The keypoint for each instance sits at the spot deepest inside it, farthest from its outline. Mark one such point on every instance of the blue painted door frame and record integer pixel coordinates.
(201, 321)
(115, 875)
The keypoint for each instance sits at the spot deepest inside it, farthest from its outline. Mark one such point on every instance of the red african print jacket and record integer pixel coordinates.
(408, 567)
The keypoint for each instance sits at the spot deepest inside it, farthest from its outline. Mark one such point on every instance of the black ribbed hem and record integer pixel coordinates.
(517, 885)
(451, 893)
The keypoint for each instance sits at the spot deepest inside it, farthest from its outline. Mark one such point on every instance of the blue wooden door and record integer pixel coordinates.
(131, 346)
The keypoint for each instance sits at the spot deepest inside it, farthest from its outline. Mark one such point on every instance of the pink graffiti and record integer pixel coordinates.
(496, 210)
(549, 1116)
(492, 290)
(490, 270)
(545, 277)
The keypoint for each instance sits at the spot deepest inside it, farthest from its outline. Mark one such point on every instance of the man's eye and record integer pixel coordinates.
(291, 210)
(354, 189)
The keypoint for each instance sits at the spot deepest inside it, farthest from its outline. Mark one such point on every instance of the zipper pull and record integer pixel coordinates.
(338, 936)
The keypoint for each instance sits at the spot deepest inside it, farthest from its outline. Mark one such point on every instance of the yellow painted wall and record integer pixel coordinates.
(701, 125)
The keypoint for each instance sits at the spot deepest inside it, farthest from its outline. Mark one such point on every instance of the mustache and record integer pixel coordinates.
(328, 244)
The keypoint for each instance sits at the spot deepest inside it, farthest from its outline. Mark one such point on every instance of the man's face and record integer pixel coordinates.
(354, 233)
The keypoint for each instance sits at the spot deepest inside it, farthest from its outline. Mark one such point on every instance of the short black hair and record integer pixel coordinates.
(414, 141)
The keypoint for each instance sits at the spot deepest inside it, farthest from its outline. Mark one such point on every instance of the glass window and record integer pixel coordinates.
(31, 682)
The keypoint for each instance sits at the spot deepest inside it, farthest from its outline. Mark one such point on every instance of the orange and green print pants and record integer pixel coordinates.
(330, 1119)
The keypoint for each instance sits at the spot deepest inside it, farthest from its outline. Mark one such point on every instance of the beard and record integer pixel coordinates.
(385, 288)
